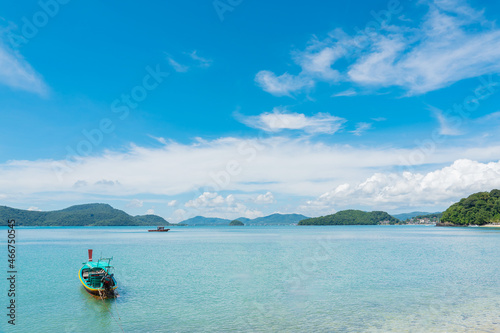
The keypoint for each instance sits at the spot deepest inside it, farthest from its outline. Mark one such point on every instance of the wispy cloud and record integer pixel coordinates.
(446, 126)
(281, 119)
(282, 85)
(17, 73)
(175, 65)
(202, 62)
(189, 60)
(453, 42)
(345, 93)
(361, 128)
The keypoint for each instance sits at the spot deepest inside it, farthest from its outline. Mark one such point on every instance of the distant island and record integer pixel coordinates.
(480, 208)
(273, 219)
(236, 223)
(352, 217)
(99, 214)
(80, 215)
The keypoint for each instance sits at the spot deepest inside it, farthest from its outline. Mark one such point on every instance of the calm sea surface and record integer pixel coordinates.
(259, 279)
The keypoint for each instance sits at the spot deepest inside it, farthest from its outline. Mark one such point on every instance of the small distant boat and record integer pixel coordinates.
(97, 277)
(159, 229)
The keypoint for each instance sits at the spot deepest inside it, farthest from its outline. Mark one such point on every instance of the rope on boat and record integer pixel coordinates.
(103, 293)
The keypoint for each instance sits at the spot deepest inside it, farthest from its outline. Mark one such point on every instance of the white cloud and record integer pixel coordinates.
(407, 189)
(178, 216)
(161, 140)
(33, 208)
(276, 164)
(280, 119)
(172, 203)
(317, 61)
(453, 42)
(207, 199)
(345, 93)
(445, 126)
(214, 205)
(17, 73)
(176, 66)
(135, 203)
(282, 85)
(202, 62)
(267, 198)
(360, 128)
(150, 212)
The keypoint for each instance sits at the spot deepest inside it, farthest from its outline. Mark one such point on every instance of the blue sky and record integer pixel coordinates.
(246, 108)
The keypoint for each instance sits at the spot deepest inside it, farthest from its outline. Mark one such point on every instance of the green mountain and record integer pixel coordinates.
(201, 220)
(477, 209)
(406, 216)
(351, 217)
(274, 219)
(80, 215)
(236, 223)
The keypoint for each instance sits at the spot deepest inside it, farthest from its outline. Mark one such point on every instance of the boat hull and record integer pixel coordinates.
(102, 292)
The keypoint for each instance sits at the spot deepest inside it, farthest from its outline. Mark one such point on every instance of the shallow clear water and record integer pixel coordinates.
(260, 279)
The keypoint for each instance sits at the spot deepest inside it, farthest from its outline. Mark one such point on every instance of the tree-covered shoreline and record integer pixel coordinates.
(477, 209)
(79, 215)
(352, 217)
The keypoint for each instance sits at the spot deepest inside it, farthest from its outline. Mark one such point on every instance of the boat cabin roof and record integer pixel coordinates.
(101, 263)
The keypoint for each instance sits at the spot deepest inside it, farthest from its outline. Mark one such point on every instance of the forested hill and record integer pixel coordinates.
(351, 217)
(479, 208)
(274, 219)
(80, 215)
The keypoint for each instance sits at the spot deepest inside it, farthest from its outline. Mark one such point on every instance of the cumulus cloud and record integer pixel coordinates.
(150, 212)
(209, 199)
(172, 203)
(178, 216)
(281, 119)
(35, 209)
(452, 42)
(17, 73)
(266, 198)
(409, 189)
(276, 164)
(214, 205)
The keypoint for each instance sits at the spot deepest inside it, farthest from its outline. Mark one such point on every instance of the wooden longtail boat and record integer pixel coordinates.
(159, 229)
(97, 277)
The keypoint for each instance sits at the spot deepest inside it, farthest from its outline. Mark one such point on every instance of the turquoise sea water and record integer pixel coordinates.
(260, 279)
